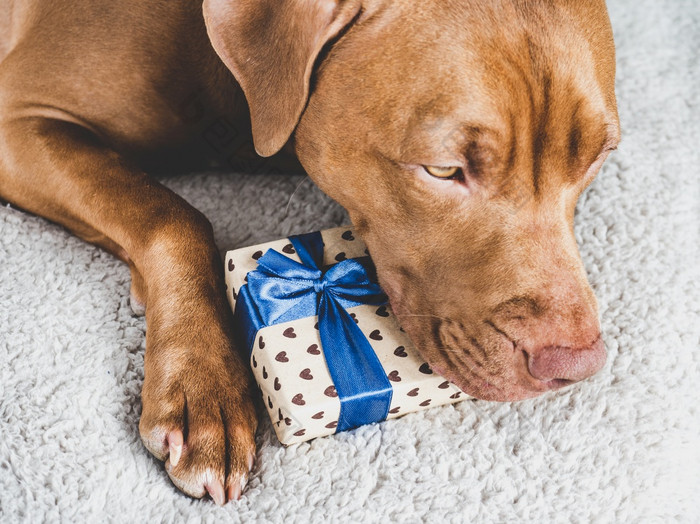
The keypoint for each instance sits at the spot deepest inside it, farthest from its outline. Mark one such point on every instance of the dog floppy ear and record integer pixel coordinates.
(270, 46)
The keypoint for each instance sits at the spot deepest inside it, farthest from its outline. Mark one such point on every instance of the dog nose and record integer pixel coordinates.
(559, 366)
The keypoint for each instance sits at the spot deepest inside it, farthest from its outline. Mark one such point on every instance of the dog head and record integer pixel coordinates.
(458, 135)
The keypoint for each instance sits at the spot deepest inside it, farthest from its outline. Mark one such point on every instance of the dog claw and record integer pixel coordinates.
(216, 492)
(234, 492)
(236, 488)
(175, 440)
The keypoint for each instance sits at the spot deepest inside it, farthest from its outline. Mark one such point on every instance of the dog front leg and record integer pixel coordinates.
(197, 408)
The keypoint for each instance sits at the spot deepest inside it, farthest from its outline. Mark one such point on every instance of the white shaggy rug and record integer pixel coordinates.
(621, 447)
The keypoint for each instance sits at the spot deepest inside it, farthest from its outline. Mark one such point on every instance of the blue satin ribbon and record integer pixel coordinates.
(282, 290)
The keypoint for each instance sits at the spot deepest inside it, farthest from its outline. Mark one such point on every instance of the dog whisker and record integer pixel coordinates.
(427, 315)
(471, 371)
(477, 345)
(291, 197)
(453, 347)
(464, 357)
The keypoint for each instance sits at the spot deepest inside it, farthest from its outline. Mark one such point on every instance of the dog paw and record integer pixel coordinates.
(200, 420)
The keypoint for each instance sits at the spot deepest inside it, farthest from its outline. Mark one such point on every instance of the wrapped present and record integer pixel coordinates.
(324, 346)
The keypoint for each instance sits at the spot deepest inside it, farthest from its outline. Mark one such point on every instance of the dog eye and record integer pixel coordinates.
(445, 173)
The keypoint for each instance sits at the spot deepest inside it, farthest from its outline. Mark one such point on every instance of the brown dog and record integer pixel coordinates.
(457, 134)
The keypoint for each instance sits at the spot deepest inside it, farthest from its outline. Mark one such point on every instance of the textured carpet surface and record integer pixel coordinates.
(620, 447)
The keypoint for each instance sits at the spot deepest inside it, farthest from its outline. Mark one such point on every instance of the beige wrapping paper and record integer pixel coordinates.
(288, 363)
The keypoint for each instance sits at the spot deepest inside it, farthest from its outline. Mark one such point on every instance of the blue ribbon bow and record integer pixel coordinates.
(281, 290)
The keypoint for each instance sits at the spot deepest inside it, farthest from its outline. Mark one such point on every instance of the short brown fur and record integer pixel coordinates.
(483, 271)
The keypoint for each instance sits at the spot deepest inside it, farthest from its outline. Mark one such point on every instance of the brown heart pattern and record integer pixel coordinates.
(231, 265)
(330, 391)
(308, 374)
(289, 333)
(400, 352)
(289, 249)
(394, 376)
(347, 235)
(382, 312)
(341, 256)
(257, 255)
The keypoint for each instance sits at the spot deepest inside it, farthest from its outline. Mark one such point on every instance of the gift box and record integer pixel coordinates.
(325, 348)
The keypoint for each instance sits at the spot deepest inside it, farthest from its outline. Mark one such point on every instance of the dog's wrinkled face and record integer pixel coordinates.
(458, 135)
(460, 150)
